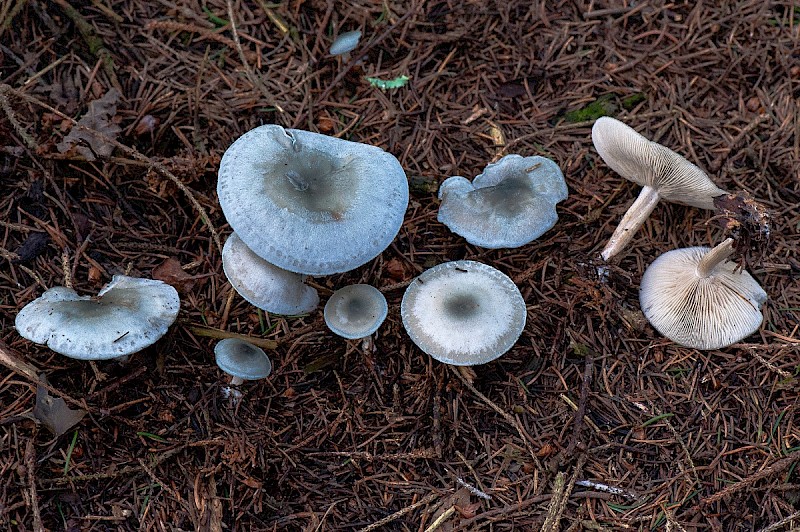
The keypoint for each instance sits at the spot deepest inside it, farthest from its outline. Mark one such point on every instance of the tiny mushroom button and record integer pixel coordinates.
(698, 298)
(309, 203)
(355, 311)
(463, 313)
(242, 360)
(510, 204)
(661, 172)
(126, 316)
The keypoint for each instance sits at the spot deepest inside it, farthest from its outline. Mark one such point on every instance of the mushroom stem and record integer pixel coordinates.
(634, 218)
(236, 381)
(368, 344)
(714, 257)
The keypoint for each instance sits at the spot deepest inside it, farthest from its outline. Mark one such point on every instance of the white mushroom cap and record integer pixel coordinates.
(510, 204)
(661, 172)
(127, 315)
(650, 164)
(345, 43)
(697, 298)
(463, 312)
(309, 203)
(264, 285)
(355, 311)
(242, 360)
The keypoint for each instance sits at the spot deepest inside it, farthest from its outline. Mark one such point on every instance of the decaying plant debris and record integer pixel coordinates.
(341, 439)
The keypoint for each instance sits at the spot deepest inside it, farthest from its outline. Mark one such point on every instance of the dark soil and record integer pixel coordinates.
(340, 439)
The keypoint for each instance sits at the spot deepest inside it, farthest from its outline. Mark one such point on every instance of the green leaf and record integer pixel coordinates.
(385, 84)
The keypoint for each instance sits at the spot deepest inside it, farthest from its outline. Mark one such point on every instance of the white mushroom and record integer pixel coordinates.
(242, 360)
(510, 204)
(309, 203)
(264, 285)
(463, 313)
(697, 298)
(345, 43)
(126, 316)
(355, 312)
(661, 172)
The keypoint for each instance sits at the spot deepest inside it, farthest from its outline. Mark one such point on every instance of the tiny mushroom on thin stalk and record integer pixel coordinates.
(242, 360)
(662, 173)
(310, 203)
(698, 298)
(463, 313)
(356, 312)
(264, 285)
(126, 316)
(510, 204)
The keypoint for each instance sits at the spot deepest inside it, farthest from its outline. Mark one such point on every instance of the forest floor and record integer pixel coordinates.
(338, 438)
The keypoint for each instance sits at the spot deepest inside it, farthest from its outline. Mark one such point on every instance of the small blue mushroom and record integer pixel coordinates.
(510, 204)
(345, 43)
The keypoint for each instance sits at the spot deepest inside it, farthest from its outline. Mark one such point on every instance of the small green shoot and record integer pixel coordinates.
(69, 451)
(385, 84)
(149, 435)
(214, 19)
(656, 419)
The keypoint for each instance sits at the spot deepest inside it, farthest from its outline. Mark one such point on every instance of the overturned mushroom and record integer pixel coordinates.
(126, 316)
(662, 173)
(264, 285)
(463, 313)
(698, 298)
(510, 204)
(309, 203)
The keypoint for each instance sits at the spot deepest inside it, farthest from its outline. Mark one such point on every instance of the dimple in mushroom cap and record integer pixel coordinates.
(697, 303)
(127, 315)
(509, 205)
(264, 285)
(355, 311)
(309, 203)
(242, 360)
(463, 313)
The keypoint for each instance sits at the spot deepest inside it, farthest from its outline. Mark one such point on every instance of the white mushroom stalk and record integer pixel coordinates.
(661, 172)
(698, 298)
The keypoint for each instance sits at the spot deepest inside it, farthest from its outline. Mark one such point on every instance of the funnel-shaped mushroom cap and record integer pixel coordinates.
(650, 164)
(309, 203)
(127, 315)
(463, 313)
(241, 359)
(698, 309)
(264, 285)
(510, 204)
(355, 311)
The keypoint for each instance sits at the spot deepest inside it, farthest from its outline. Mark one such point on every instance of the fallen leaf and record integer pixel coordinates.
(33, 246)
(170, 272)
(98, 118)
(53, 412)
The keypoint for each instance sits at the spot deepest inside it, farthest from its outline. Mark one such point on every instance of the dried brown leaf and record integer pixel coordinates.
(98, 118)
(53, 412)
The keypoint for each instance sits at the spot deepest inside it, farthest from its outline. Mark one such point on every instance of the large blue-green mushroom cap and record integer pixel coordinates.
(310, 203)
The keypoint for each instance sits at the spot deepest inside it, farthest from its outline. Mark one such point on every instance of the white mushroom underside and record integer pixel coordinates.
(128, 315)
(648, 163)
(702, 313)
(463, 313)
(326, 216)
(264, 285)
